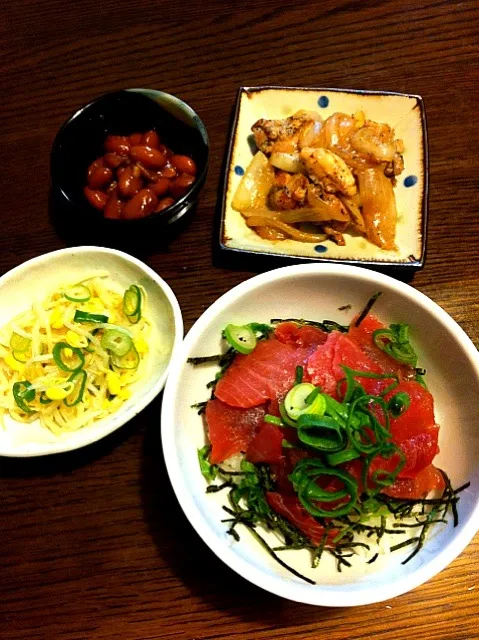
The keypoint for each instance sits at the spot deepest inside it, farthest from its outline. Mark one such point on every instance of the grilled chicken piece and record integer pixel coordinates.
(288, 135)
(329, 170)
(289, 192)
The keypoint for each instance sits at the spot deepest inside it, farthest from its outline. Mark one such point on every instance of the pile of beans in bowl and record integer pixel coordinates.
(137, 176)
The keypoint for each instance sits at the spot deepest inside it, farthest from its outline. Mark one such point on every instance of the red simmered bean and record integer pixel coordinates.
(150, 139)
(113, 160)
(118, 144)
(135, 138)
(160, 187)
(184, 164)
(100, 177)
(129, 182)
(148, 174)
(96, 198)
(137, 176)
(168, 171)
(114, 206)
(180, 185)
(141, 205)
(164, 203)
(99, 162)
(149, 157)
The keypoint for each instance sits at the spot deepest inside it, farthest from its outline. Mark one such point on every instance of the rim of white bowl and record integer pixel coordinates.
(337, 595)
(118, 419)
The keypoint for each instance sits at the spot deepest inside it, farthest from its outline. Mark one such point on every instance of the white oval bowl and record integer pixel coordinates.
(316, 292)
(33, 280)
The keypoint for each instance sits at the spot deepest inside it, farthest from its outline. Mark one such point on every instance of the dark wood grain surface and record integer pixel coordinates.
(93, 544)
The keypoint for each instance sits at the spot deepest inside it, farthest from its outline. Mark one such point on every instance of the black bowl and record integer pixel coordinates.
(81, 139)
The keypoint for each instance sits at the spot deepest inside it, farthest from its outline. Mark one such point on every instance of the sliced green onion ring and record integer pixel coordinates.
(62, 362)
(273, 420)
(132, 301)
(241, 338)
(78, 378)
(398, 404)
(303, 399)
(84, 316)
(19, 343)
(395, 342)
(322, 433)
(43, 398)
(305, 482)
(23, 393)
(77, 293)
(130, 360)
(21, 356)
(118, 342)
(346, 455)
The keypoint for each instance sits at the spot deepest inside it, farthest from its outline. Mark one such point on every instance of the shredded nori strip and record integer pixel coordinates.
(367, 308)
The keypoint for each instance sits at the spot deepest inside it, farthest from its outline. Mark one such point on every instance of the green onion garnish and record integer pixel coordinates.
(130, 360)
(241, 338)
(73, 363)
(19, 344)
(395, 342)
(23, 393)
(79, 381)
(77, 293)
(116, 341)
(84, 316)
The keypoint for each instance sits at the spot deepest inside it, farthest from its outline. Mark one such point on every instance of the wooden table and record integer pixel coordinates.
(93, 544)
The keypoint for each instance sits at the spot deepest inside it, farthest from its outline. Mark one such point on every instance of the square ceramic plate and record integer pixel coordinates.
(405, 113)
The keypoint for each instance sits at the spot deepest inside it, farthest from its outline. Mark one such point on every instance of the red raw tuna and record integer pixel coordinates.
(230, 430)
(265, 374)
(363, 337)
(415, 430)
(266, 445)
(417, 488)
(290, 508)
(324, 365)
(301, 336)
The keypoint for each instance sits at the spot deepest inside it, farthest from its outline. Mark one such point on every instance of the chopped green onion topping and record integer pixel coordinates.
(84, 316)
(76, 395)
(130, 360)
(273, 420)
(73, 363)
(398, 404)
(241, 338)
(315, 498)
(395, 342)
(132, 303)
(19, 344)
(208, 470)
(77, 293)
(304, 398)
(299, 375)
(118, 342)
(20, 356)
(23, 393)
(322, 433)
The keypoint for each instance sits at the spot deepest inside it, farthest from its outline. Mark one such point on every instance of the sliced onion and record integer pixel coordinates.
(255, 185)
(289, 162)
(296, 234)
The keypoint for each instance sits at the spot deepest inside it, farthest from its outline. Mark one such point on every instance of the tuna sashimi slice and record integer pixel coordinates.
(363, 336)
(265, 374)
(230, 430)
(324, 365)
